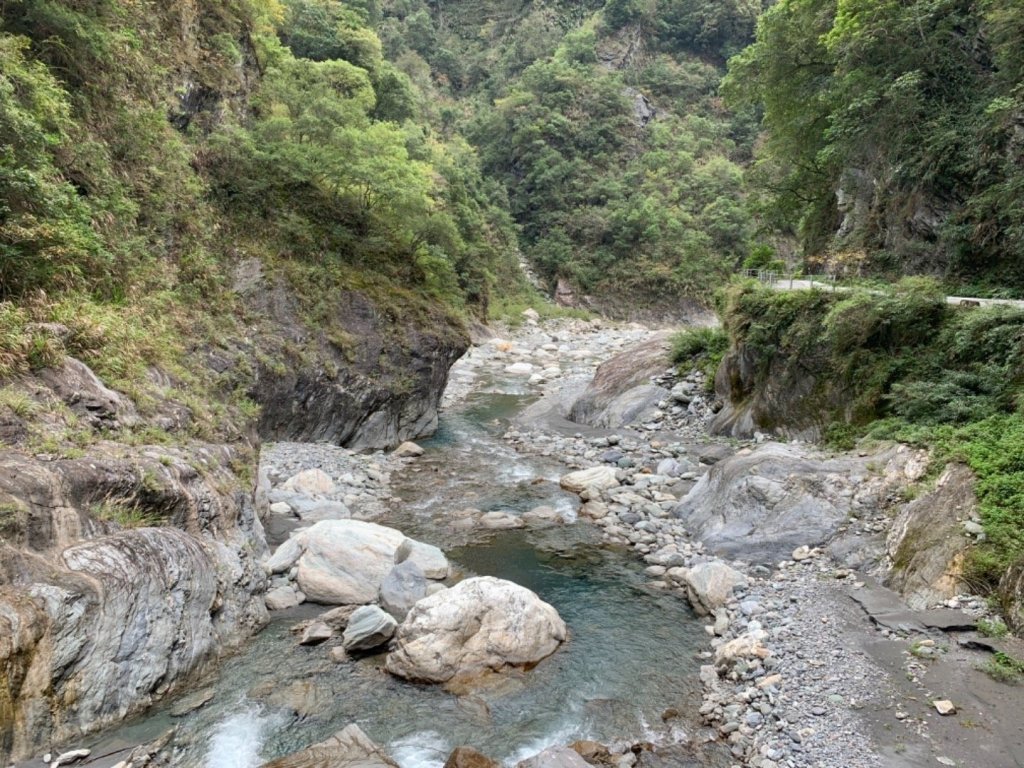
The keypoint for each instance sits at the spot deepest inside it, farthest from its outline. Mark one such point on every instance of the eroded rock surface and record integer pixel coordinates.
(621, 389)
(927, 541)
(761, 504)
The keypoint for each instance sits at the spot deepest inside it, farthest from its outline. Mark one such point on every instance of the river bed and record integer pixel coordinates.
(631, 657)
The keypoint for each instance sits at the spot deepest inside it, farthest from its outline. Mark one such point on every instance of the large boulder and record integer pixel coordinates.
(348, 748)
(479, 624)
(710, 585)
(927, 543)
(762, 504)
(621, 390)
(340, 562)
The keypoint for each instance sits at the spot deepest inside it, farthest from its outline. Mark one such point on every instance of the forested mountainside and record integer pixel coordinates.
(894, 135)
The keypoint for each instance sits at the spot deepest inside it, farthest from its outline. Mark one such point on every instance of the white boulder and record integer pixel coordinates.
(480, 624)
(598, 478)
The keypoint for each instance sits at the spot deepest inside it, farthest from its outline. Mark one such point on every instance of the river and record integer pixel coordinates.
(632, 656)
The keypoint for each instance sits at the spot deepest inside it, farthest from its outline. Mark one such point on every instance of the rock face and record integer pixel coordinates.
(927, 543)
(380, 388)
(621, 390)
(480, 624)
(339, 562)
(762, 504)
(97, 623)
(348, 748)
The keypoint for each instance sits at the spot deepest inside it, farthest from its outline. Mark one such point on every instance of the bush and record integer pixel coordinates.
(692, 342)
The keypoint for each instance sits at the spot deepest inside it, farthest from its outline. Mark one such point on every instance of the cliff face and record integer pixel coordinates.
(775, 394)
(127, 569)
(102, 617)
(369, 379)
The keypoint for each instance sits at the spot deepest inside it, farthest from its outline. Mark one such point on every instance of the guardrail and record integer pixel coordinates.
(773, 278)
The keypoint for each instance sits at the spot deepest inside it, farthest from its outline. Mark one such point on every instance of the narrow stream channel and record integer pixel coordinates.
(631, 654)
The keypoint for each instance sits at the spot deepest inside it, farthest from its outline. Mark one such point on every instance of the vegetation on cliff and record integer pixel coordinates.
(148, 149)
(893, 134)
(906, 365)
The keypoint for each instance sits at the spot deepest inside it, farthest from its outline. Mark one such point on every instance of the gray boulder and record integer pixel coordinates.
(369, 627)
(402, 588)
(760, 505)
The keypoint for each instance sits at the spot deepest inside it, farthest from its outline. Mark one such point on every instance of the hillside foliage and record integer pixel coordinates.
(893, 130)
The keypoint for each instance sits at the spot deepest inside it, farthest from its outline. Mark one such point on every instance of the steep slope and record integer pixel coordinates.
(894, 135)
(204, 239)
(602, 122)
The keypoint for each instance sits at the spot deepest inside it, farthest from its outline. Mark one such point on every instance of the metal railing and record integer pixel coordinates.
(773, 278)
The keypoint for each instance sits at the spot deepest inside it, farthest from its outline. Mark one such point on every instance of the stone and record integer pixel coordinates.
(348, 748)
(338, 655)
(531, 314)
(429, 558)
(402, 588)
(281, 598)
(498, 520)
(281, 508)
(480, 624)
(519, 369)
(600, 478)
(340, 562)
(316, 633)
(337, 618)
(467, 757)
(369, 627)
(72, 756)
(310, 482)
(944, 707)
(408, 449)
(311, 510)
(555, 757)
(801, 553)
(746, 646)
(709, 585)
(543, 515)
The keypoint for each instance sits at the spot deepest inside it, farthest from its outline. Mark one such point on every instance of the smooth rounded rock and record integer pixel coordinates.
(480, 624)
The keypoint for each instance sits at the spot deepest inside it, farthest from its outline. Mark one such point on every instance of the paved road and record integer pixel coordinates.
(784, 284)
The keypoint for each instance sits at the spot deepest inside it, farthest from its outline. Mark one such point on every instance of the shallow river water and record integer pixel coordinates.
(631, 653)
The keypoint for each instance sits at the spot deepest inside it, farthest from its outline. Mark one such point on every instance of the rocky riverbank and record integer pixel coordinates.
(800, 672)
